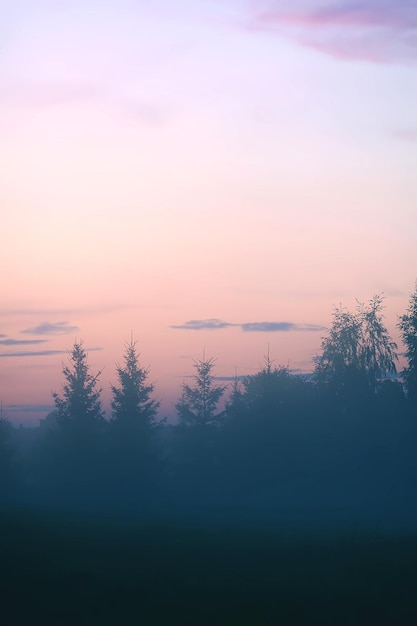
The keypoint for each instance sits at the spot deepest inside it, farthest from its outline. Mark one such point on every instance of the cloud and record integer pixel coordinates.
(42, 95)
(209, 324)
(407, 134)
(274, 327)
(43, 353)
(29, 408)
(29, 311)
(2, 335)
(140, 111)
(379, 31)
(39, 353)
(216, 324)
(100, 309)
(21, 342)
(46, 328)
(54, 94)
(267, 327)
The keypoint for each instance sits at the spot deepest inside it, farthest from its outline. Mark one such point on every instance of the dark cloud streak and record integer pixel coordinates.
(36, 353)
(47, 328)
(208, 324)
(21, 342)
(273, 327)
(42, 353)
(29, 408)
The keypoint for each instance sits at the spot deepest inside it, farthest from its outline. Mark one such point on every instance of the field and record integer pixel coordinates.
(86, 569)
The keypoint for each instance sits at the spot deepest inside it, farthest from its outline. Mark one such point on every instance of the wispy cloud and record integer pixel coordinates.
(140, 111)
(216, 324)
(29, 408)
(380, 31)
(279, 327)
(21, 342)
(407, 134)
(42, 353)
(42, 95)
(209, 324)
(101, 309)
(30, 311)
(54, 94)
(47, 328)
(35, 353)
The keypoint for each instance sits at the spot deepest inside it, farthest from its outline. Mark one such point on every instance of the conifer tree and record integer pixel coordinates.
(70, 455)
(133, 453)
(132, 405)
(196, 444)
(7, 474)
(198, 403)
(80, 404)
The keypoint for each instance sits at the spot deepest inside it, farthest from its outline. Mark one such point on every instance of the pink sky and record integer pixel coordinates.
(172, 161)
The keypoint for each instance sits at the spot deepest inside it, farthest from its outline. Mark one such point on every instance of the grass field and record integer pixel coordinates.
(86, 570)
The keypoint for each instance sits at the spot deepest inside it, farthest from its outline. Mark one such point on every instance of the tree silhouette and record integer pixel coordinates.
(263, 423)
(408, 327)
(80, 404)
(267, 391)
(132, 405)
(198, 403)
(132, 449)
(71, 455)
(235, 405)
(357, 351)
(7, 473)
(196, 460)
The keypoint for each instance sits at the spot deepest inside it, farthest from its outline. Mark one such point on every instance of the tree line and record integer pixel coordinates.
(347, 434)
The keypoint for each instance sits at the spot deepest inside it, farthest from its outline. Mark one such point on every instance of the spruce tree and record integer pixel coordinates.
(80, 404)
(132, 443)
(198, 403)
(197, 462)
(71, 459)
(132, 405)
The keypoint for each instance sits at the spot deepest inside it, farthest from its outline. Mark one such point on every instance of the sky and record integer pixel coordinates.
(203, 175)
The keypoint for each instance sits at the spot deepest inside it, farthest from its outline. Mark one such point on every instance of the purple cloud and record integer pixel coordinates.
(21, 342)
(53, 94)
(46, 328)
(407, 134)
(40, 353)
(209, 324)
(373, 30)
(29, 408)
(274, 327)
(216, 324)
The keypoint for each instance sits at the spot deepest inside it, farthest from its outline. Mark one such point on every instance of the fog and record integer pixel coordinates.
(265, 496)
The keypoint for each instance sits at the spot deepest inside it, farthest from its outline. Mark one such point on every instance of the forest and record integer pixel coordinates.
(332, 454)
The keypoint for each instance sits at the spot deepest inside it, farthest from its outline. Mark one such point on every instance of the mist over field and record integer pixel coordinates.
(280, 487)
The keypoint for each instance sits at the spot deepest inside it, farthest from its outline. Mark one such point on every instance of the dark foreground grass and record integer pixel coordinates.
(78, 570)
